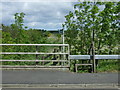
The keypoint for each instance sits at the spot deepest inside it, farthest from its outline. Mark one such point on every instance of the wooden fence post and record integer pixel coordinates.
(93, 58)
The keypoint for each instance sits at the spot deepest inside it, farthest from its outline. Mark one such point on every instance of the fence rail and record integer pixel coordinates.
(99, 57)
(34, 44)
(90, 57)
(68, 56)
(34, 60)
(32, 66)
(29, 53)
(37, 59)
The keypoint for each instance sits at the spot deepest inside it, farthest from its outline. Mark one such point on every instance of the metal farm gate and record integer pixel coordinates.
(46, 56)
(37, 56)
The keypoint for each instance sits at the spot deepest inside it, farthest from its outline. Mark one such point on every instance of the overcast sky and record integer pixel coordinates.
(40, 15)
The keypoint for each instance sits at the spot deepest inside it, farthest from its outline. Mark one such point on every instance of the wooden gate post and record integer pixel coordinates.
(93, 58)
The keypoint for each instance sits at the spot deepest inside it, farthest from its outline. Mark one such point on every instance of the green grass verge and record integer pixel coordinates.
(108, 66)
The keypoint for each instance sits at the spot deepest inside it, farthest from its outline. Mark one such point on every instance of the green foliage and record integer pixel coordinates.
(16, 34)
(108, 66)
(89, 23)
(19, 19)
(86, 18)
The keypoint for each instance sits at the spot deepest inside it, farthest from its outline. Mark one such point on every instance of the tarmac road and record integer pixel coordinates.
(56, 77)
(52, 89)
(49, 77)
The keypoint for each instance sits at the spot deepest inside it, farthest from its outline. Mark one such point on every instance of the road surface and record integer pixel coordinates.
(52, 78)
(52, 89)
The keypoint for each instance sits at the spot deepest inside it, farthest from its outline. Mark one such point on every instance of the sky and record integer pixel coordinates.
(39, 15)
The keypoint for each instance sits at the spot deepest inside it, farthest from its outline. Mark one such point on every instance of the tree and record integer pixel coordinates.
(18, 32)
(89, 23)
(91, 29)
(19, 19)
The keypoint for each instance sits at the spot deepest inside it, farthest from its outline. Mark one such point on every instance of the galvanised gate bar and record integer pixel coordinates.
(59, 53)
